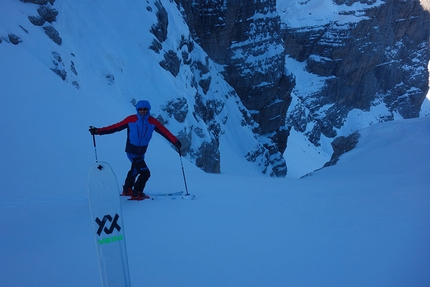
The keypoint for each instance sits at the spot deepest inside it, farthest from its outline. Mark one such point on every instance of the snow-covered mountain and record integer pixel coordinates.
(108, 51)
(270, 84)
(356, 63)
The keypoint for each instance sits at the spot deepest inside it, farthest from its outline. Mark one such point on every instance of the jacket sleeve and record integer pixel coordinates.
(118, 126)
(162, 130)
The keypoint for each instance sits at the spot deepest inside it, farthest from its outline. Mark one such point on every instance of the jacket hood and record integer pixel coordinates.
(142, 105)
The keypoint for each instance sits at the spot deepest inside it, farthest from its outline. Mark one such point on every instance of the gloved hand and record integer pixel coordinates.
(93, 130)
(178, 144)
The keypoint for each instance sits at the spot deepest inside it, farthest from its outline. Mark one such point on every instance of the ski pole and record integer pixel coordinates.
(183, 172)
(95, 148)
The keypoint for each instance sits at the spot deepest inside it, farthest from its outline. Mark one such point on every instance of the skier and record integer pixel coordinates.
(139, 132)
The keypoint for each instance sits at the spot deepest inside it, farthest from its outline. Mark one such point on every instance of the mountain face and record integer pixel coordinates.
(244, 74)
(245, 38)
(380, 60)
(367, 53)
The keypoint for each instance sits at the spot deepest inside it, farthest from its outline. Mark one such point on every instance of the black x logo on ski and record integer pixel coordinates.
(102, 223)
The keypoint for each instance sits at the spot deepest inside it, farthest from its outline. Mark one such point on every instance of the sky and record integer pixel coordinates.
(363, 222)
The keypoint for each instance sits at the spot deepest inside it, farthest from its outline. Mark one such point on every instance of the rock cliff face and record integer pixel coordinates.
(377, 58)
(380, 60)
(245, 38)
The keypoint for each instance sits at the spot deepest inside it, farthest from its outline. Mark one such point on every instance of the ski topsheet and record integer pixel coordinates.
(106, 216)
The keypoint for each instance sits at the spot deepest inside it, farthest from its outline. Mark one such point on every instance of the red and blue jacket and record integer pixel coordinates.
(139, 130)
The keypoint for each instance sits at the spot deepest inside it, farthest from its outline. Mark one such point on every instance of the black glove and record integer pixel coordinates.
(93, 130)
(178, 144)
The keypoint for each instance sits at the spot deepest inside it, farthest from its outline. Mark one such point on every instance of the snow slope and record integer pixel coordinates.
(108, 47)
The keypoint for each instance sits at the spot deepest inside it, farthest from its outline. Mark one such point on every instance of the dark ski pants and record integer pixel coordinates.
(138, 169)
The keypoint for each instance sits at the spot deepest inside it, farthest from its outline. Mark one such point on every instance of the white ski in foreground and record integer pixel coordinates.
(106, 216)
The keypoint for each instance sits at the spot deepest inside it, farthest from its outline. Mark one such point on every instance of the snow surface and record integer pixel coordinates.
(363, 222)
(306, 13)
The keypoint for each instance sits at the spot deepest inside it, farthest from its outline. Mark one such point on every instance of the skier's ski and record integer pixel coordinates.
(106, 216)
(172, 195)
(177, 193)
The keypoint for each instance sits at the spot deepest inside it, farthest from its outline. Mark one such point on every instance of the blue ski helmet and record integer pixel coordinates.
(143, 105)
